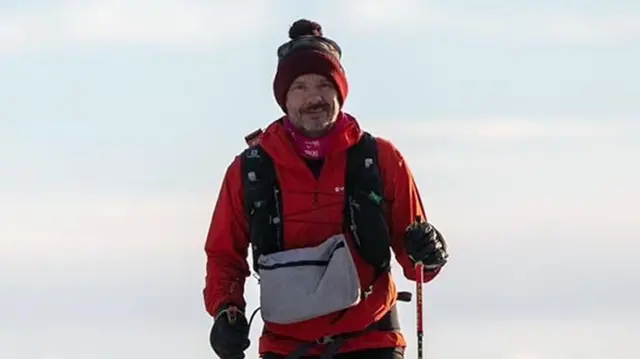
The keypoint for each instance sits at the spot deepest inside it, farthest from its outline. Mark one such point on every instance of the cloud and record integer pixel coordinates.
(48, 230)
(194, 24)
(567, 175)
(575, 26)
(495, 128)
(105, 263)
(524, 339)
(472, 171)
(530, 274)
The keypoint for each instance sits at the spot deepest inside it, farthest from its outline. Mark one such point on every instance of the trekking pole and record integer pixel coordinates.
(420, 331)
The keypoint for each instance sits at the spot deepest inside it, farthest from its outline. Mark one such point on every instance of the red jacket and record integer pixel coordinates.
(227, 242)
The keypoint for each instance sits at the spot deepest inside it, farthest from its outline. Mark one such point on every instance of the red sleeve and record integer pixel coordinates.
(404, 204)
(227, 246)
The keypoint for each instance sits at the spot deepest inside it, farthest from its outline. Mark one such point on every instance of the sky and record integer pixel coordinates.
(520, 121)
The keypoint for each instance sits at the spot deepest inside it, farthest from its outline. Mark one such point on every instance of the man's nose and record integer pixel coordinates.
(314, 98)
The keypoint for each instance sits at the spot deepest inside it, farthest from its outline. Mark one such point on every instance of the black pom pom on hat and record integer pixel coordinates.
(304, 27)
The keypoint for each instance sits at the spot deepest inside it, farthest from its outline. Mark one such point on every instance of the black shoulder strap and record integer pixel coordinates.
(365, 206)
(363, 169)
(262, 202)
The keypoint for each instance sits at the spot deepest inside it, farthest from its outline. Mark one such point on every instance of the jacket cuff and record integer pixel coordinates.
(226, 307)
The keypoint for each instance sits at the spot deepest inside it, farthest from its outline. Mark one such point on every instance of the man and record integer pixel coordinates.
(327, 290)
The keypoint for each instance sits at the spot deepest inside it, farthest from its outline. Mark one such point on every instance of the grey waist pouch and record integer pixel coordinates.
(304, 283)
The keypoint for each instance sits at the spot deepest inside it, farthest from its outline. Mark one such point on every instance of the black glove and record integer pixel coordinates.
(424, 243)
(229, 335)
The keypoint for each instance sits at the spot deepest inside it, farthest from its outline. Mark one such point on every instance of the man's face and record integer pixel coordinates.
(312, 104)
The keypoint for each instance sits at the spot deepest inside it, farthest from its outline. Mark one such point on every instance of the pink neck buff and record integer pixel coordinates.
(315, 148)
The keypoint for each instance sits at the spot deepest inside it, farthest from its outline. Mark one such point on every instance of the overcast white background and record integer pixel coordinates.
(519, 119)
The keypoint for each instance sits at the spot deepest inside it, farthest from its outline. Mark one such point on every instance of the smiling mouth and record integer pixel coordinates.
(316, 109)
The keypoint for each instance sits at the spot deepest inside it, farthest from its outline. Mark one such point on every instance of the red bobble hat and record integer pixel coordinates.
(308, 51)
